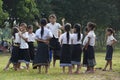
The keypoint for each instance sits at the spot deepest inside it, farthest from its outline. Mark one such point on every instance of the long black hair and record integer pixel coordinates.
(14, 30)
(77, 27)
(67, 29)
(43, 23)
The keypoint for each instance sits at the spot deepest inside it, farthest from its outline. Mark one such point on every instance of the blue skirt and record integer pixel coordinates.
(15, 55)
(66, 53)
(91, 56)
(42, 55)
(109, 53)
(85, 57)
(76, 54)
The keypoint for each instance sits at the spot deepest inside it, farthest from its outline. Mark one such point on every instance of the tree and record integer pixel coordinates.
(3, 15)
(24, 10)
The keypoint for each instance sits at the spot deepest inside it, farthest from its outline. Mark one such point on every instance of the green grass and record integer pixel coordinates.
(55, 73)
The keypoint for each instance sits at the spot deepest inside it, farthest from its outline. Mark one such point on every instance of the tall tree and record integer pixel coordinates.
(3, 15)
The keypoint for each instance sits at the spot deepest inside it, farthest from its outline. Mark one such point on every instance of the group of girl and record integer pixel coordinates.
(49, 39)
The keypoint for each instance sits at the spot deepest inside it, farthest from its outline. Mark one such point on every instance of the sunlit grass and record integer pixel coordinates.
(55, 73)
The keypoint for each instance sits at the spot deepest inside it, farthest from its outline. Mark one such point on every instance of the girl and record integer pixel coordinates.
(43, 35)
(109, 52)
(31, 40)
(24, 52)
(85, 53)
(77, 48)
(66, 41)
(15, 49)
(90, 47)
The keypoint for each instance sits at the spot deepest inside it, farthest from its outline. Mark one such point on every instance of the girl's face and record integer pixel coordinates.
(52, 20)
(30, 30)
(108, 33)
(89, 29)
(22, 28)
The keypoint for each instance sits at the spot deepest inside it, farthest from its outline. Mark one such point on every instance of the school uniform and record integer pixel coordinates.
(90, 49)
(66, 50)
(54, 41)
(85, 53)
(15, 49)
(76, 49)
(42, 54)
(109, 48)
(31, 40)
(24, 49)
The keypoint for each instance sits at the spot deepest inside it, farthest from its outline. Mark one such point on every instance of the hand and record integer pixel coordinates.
(20, 34)
(47, 42)
(63, 19)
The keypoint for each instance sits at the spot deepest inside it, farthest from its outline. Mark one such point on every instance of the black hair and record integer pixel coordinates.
(67, 29)
(14, 30)
(43, 23)
(78, 31)
(30, 27)
(52, 16)
(91, 25)
(110, 30)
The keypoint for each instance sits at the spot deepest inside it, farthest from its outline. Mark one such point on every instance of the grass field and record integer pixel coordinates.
(55, 73)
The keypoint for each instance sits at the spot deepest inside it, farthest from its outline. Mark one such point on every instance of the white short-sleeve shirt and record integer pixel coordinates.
(31, 37)
(110, 39)
(16, 38)
(85, 41)
(75, 37)
(92, 37)
(46, 35)
(24, 44)
(54, 28)
(63, 38)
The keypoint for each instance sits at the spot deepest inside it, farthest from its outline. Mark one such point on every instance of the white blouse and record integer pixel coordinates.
(46, 35)
(110, 39)
(75, 37)
(31, 37)
(54, 28)
(92, 37)
(24, 44)
(16, 39)
(63, 38)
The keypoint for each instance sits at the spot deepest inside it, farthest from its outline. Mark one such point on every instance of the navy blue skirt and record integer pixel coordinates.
(24, 56)
(85, 57)
(42, 55)
(31, 50)
(66, 53)
(15, 55)
(109, 52)
(76, 54)
(91, 56)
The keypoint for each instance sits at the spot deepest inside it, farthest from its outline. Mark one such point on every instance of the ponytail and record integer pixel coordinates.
(68, 37)
(67, 29)
(42, 31)
(78, 36)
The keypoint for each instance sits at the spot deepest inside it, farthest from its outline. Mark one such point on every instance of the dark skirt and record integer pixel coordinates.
(76, 54)
(24, 56)
(109, 53)
(91, 56)
(66, 52)
(31, 50)
(54, 44)
(85, 57)
(56, 54)
(42, 55)
(15, 55)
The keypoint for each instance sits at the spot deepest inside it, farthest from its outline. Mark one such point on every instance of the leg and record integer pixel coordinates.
(110, 65)
(77, 70)
(63, 69)
(107, 63)
(39, 69)
(7, 66)
(27, 65)
(70, 70)
(46, 69)
(54, 61)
